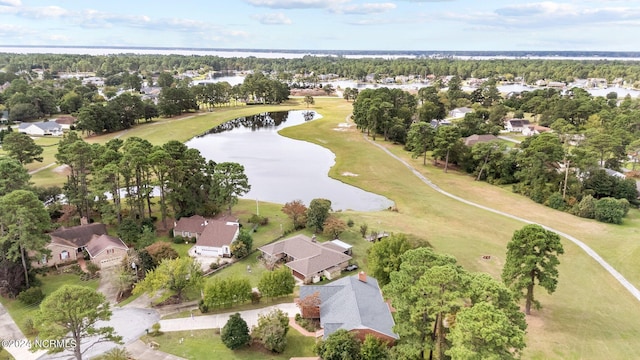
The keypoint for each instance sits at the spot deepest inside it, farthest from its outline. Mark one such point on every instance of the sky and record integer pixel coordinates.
(475, 25)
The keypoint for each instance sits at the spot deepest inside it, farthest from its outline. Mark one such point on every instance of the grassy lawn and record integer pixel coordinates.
(589, 317)
(247, 306)
(206, 344)
(4, 355)
(20, 312)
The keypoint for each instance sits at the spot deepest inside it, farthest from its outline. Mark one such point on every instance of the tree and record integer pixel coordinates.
(333, 227)
(242, 246)
(21, 147)
(384, 256)
(317, 213)
(484, 332)
(309, 100)
(72, 313)
(23, 223)
(271, 330)
(225, 292)
(420, 139)
(276, 283)
(172, 274)
(13, 176)
(374, 349)
(161, 250)
(445, 139)
(296, 210)
(532, 255)
(235, 333)
(340, 345)
(229, 183)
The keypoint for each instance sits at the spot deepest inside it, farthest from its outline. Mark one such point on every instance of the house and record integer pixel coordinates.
(516, 125)
(106, 251)
(534, 130)
(41, 128)
(474, 139)
(68, 244)
(213, 236)
(355, 304)
(459, 112)
(307, 259)
(435, 123)
(65, 121)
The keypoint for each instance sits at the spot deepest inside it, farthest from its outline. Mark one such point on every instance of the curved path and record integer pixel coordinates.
(621, 279)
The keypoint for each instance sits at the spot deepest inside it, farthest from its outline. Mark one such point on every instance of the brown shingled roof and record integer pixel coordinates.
(79, 235)
(218, 233)
(100, 243)
(193, 224)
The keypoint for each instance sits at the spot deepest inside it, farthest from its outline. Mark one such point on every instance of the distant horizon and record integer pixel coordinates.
(355, 25)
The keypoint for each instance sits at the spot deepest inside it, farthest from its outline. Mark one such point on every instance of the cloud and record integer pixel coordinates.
(272, 19)
(11, 2)
(364, 9)
(296, 4)
(43, 12)
(547, 15)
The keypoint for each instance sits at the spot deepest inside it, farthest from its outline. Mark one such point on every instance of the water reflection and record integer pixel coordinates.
(282, 169)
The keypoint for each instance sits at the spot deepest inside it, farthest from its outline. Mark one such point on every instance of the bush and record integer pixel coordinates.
(609, 210)
(555, 201)
(363, 229)
(350, 223)
(203, 307)
(214, 265)
(586, 208)
(30, 327)
(258, 220)
(155, 330)
(235, 333)
(31, 296)
(92, 268)
(178, 239)
(255, 297)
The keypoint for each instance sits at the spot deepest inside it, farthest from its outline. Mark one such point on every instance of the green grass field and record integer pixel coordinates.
(206, 344)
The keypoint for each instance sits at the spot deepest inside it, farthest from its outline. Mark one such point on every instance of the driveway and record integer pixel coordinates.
(217, 321)
(130, 323)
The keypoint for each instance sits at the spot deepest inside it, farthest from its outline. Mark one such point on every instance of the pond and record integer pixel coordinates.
(281, 169)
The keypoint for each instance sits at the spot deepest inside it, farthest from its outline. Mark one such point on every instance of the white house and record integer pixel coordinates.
(516, 125)
(459, 112)
(41, 128)
(213, 236)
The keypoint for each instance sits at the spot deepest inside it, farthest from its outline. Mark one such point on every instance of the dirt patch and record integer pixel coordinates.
(62, 170)
(534, 321)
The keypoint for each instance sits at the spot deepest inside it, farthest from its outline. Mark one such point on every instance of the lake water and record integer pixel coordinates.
(281, 169)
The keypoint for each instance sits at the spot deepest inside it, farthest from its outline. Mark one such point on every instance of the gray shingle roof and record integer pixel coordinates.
(349, 303)
(44, 125)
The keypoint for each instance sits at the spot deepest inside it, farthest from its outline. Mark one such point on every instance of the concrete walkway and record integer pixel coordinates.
(509, 139)
(34, 171)
(621, 279)
(217, 321)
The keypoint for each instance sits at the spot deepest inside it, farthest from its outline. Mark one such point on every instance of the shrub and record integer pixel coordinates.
(350, 223)
(92, 268)
(30, 327)
(555, 201)
(258, 220)
(203, 307)
(255, 297)
(31, 296)
(214, 265)
(609, 210)
(586, 207)
(178, 239)
(155, 330)
(235, 333)
(363, 229)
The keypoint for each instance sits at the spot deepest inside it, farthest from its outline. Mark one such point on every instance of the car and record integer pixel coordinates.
(351, 267)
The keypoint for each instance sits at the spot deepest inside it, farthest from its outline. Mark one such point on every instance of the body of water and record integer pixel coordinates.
(281, 169)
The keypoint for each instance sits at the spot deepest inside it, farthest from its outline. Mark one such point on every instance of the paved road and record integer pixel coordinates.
(621, 279)
(10, 331)
(217, 321)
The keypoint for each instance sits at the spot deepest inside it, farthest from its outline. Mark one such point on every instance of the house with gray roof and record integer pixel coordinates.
(41, 128)
(355, 304)
(308, 259)
(460, 112)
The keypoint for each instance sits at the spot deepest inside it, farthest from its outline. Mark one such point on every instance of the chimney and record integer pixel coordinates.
(84, 221)
(362, 276)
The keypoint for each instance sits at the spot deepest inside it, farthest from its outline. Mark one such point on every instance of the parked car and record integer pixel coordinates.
(351, 267)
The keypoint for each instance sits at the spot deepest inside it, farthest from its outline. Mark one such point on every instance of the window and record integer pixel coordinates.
(44, 259)
(64, 255)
